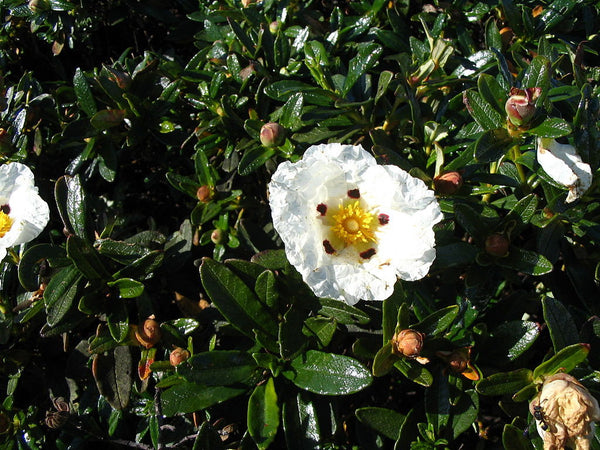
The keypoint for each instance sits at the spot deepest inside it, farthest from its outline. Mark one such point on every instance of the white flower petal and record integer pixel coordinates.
(325, 176)
(565, 166)
(26, 209)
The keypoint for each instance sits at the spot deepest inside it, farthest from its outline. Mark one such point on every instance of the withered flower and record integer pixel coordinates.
(565, 413)
(149, 333)
(408, 343)
(178, 355)
(459, 361)
(448, 183)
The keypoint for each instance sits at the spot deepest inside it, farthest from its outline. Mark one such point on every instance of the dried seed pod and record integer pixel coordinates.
(148, 334)
(408, 343)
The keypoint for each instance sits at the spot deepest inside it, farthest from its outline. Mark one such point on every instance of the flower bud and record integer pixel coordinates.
(274, 26)
(408, 343)
(178, 356)
(218, 236)
(204, 194)
(520, 106)
(448, 183)
(272, 134)
(38, 6)
(565, 412)
(497, 245)
(149, 333)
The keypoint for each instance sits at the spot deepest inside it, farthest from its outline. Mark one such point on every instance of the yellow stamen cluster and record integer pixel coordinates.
(5, 223)
(352, 224)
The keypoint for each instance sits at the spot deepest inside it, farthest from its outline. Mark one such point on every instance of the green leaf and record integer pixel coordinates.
(218, 368)
(512, 437)
(291, 339)
(455, 254)
(439, 321)
(342, 312)
(510, 340)
(556, 12)
(490, 90)
(552, 127)
(235, 300)
(300, 422)
(391, 305)
(414, 371)
(291, 112)
(29, 263)
(108, 118)
(484, 114)
(505, 382)
(86, 258)
(321, 328)
(328, 373)
(564, 361)
(189, 397)
(60, 294)
(561, 326)
(367, 57)
(263, 414)
(113, 374)
(128, 287)
(71, 203)
(253, 158)
(266, 289)
(492, 145)
(437, 404)
(465, 412)
(386, 422)
(525, 261)
(84, 94)
(384, 360)
(537, 74)
(271, 259)
(283, 90)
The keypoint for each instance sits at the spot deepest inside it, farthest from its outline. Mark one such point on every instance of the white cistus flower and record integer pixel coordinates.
(351, 227)
(565, 412)
(562, 163)
(23, 213)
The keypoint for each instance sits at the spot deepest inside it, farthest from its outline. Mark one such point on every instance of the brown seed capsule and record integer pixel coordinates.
(148, 334)
(178, 356)
(448, 183)
(408, 343)
(272, 134)
(497, 245)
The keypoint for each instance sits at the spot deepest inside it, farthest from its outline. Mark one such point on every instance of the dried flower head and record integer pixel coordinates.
(148, 334)
(565, 413)
(178, 355)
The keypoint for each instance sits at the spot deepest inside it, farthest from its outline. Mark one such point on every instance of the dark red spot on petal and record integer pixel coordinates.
(368, 253)
(322, 208)
(384, 219)
(5, 209)
(328, 247)
(354, 193)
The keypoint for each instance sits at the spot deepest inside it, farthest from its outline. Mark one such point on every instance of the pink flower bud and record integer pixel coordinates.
(272, 134)
(520, 106)
(448, 183)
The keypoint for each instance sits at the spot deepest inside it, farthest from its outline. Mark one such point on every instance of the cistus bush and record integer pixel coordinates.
(353, 224)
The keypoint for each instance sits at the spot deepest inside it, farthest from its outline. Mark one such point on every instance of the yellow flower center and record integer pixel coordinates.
(353, 224)
(5, 223)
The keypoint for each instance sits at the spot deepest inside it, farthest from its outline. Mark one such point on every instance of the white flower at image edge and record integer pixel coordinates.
(23, 213)
(351, 227)
(562, 163)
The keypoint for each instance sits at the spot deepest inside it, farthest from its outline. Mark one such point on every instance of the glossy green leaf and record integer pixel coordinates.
(321, 328)
(291, 112)
(84, 94)
(511, 339)
(484, 114)
(300, 423)
(113, 373)
(235, 300)
(386, 422)
(342, 312)
(561, 326)
(263, 414)
(437, 404)
(189, 397)
(438, 322)
(367, 57)
(271, 259)
(512, 437)
(552, 127)
(218, 368)
(108, 118)
(465, 412)
(414, 371)
(71, 203)
(384, 360)
(254, 158)
(565, 360)
(537, 74)
(391, 305)
(60, 294)
(525, 261)
(128, 287)
(266, 289)
(328, 373)
(503, 383)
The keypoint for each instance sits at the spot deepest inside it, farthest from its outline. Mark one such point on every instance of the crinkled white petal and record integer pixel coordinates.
(29, 212)
(565, 166)
(404, 248)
